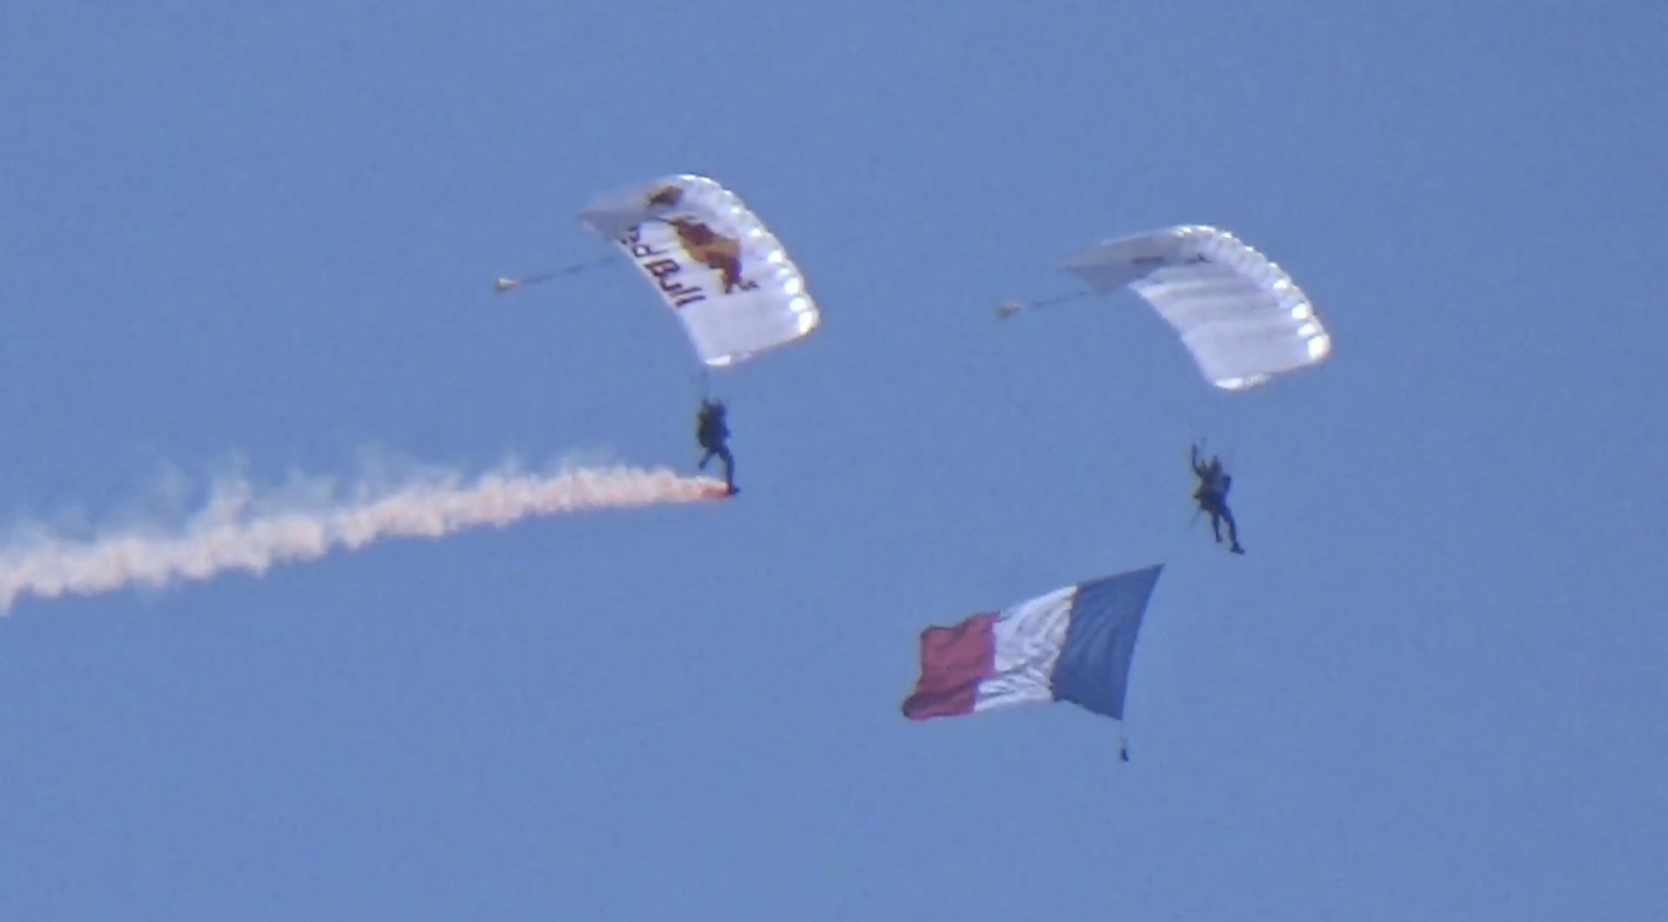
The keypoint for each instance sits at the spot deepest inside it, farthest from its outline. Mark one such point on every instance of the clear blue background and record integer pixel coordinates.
(1433, 689)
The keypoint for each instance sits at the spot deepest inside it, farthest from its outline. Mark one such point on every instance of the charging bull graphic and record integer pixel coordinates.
(665, 197)
(706, 246)
(714, 250)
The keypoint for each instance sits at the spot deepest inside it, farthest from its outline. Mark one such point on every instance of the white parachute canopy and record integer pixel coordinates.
(1241, 316)
(712, 260)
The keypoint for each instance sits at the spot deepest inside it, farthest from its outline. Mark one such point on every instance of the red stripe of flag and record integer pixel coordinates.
(954, 660)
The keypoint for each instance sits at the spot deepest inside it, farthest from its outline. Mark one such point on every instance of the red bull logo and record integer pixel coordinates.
(714, 250)
(699, 242)
(664, 266)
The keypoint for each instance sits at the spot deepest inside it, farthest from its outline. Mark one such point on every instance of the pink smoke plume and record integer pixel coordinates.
(236, 529)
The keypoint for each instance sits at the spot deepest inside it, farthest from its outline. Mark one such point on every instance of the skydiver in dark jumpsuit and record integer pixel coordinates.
(1212, 497)
(713, 435)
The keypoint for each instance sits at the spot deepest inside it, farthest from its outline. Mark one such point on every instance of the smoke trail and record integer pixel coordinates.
(237, 529)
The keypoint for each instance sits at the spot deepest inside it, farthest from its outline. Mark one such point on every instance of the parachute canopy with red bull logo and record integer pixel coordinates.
(714, 263)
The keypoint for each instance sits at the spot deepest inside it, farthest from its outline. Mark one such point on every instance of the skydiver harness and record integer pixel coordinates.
(710, 430)
(1213, 490)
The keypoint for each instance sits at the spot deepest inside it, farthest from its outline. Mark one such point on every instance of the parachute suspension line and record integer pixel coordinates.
(507, 284)
(1195, 441)
(703, 384)
(1011, 308)
(1226, 457)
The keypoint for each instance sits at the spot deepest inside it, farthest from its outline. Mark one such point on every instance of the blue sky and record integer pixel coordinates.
(1432, 689)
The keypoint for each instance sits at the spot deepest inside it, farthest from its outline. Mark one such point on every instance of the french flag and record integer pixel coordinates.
(1073, 644)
